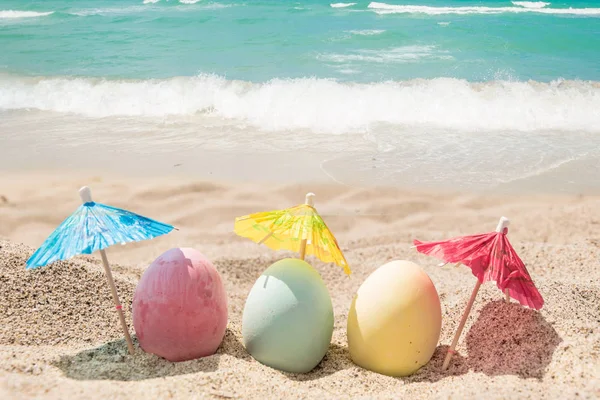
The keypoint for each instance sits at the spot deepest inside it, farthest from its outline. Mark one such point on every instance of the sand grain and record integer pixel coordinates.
(60, 336)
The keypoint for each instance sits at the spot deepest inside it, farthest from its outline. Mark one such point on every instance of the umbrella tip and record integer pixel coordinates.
(503, 223)
(309, 199)
(86, 194)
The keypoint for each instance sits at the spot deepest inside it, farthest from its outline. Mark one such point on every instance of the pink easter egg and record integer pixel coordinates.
(180, 306)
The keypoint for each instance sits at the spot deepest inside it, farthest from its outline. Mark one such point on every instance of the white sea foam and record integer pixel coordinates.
(398, 55)
(530, 4)
(383, 8)
(189, 1)
(109, 11)
(151, 1)
(342, 5)
(11, 14)
(320, 105)
(217, 6)
(539, 170)
(367, 32)
(141, 8)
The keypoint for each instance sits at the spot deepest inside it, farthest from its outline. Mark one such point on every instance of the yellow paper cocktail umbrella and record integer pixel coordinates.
(287, 322)
(299, 228)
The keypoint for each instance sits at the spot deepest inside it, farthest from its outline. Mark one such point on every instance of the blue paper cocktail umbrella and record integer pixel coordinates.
(94, 226)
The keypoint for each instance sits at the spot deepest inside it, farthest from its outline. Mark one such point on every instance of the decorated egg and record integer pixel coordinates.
(288, 317)
(180, 306)
(395, 320)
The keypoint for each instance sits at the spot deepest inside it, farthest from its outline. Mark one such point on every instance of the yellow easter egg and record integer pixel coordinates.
(395, 320)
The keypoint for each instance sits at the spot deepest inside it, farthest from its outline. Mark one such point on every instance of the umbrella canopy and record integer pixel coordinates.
(94, 226)
(299, 228)
(491, 258)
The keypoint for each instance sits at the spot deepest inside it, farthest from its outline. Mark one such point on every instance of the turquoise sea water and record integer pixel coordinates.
(261, 40)
(463, 80)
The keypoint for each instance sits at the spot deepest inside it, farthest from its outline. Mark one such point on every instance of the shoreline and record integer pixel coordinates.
(230, 150)
(575, 178)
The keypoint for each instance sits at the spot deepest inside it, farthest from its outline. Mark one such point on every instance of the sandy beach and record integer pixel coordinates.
(408, 120)
(60, 338)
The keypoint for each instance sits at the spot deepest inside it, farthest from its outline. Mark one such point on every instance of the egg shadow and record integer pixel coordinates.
(509, 339)
(432, 371)
(111, 361)
(336, 359)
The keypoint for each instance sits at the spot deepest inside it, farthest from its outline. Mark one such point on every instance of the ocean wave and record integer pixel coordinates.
(216, 6)
(10, 14)
(383, 8)
(86, 12)
(530, 4)
(182, 6)
(367, 32)
(320, 105)
(397, 55)
(150, 1)
(342, 5)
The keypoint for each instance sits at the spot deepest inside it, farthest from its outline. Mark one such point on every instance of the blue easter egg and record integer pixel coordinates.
(288, 317)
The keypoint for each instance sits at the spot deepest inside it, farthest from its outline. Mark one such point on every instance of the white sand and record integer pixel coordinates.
(59, 335)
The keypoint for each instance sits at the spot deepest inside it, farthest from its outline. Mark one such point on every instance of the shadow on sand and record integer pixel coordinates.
(506, 339)
(432, 371)
(111, 361)
(509, 339)
(336, 359)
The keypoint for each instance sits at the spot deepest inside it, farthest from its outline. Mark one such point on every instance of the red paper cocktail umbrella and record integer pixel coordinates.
(491, 258)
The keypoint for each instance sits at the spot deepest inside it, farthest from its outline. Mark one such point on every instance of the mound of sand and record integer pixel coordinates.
(65, 302)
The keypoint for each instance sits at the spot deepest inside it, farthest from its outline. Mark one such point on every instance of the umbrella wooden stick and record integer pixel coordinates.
(444, 264)
(309, 201)
(86, 197)
(265, 238)
(461, 326)
(118, 306)
(503, 223)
